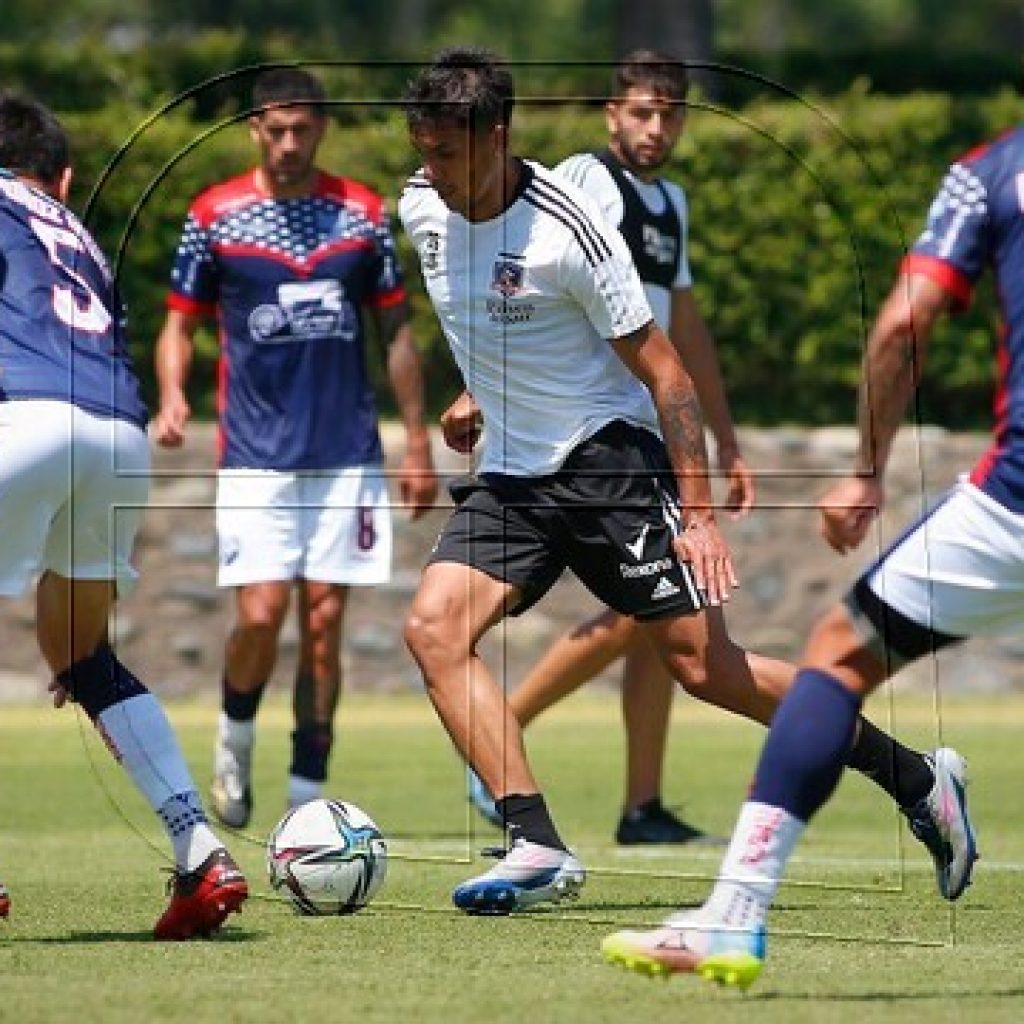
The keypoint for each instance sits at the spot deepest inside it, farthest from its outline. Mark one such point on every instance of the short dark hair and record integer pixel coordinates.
(287, 87)
(470, 85)
(32, 141)
(661, 73)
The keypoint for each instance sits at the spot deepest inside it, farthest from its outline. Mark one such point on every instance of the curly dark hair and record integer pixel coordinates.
(469, 85)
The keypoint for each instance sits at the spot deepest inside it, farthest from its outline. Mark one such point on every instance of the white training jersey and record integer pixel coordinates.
(528, 302)
(588, 173)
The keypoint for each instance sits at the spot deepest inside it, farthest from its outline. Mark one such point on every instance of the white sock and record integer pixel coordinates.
(235, 733)
(753, 866)
(301, 790)
(141, 739)
(191, 837)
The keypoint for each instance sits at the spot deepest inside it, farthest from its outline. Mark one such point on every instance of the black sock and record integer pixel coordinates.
(311, 750)
(241, 707)
(528, 817)
(903, 773)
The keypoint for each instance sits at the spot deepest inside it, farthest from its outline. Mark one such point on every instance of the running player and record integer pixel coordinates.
(645, 118)
(594, 461)
(73, 483)
(956, 572)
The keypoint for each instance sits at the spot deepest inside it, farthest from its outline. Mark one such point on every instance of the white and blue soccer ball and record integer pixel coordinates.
(328, 857)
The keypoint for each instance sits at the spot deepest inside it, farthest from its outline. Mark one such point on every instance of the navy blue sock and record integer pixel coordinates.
(238, 706)
(808, 744)
(311, 750)
(99, 681)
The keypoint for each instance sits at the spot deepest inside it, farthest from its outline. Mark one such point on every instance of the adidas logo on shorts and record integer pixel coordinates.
(665, 588)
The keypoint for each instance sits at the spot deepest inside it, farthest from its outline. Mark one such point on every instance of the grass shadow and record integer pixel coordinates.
(100, 937)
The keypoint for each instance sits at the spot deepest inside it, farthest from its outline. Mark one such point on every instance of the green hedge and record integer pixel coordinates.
(800, 212)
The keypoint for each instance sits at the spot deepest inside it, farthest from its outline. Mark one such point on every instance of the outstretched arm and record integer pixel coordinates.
(890, 374)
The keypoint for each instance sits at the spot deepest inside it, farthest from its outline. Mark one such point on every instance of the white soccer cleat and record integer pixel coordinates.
(690, 943)
(940, 821)
(230, 790)
(528, 874)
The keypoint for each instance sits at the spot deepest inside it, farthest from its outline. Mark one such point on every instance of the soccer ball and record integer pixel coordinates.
(328, 857)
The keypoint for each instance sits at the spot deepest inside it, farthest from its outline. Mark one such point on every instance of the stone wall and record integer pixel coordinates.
(171, 630)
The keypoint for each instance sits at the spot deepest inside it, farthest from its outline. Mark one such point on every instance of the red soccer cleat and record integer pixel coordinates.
(5, 900)
(202, 899)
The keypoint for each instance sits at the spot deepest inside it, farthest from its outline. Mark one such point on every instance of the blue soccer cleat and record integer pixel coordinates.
(528, 874)
(481, 798)
(688, 944)
(941, 822)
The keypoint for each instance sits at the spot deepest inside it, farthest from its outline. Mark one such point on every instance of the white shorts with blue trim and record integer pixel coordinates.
(959, 570)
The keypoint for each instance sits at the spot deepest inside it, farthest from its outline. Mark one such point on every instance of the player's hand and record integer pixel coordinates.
(169, 423)
(462, 423)
(59, 692)
(740, 498)
(847, 510)
(703, 547)
(417, 479)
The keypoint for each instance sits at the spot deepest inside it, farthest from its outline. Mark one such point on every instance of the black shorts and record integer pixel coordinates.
(610, 514)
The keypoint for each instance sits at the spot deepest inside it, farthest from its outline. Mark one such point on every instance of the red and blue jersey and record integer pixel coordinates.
(61, 323)
(976, 221)
(288, 280)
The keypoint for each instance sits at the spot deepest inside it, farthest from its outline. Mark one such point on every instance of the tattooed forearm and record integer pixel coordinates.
(682, 428)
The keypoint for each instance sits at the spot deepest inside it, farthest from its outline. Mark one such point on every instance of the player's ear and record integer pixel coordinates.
(254, 128)
(611, 117)
(62, 186)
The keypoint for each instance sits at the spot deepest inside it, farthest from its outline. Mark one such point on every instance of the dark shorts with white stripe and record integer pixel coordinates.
(608, 514)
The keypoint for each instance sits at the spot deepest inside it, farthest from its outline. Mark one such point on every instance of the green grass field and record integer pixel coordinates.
(859, 935)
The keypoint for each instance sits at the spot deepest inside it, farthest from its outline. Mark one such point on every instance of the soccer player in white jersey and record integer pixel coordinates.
(73, 482)
(645, 118)
(563, 362)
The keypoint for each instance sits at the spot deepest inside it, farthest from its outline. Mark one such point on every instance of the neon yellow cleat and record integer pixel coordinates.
(684, 945)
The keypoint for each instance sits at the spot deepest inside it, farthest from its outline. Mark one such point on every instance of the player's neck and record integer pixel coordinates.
(501, 195)
(298, 189)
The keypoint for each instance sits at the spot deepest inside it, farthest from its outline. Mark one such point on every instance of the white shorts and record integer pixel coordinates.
(333, 526)
(73, 487)
(958, 571)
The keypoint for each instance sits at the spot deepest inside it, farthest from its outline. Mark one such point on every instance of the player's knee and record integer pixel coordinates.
(311, 750)
(261, 619)
(325, 614)
(99, 681)
(832, 638)
(836, 646)
(431, 639)
(690, 669)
